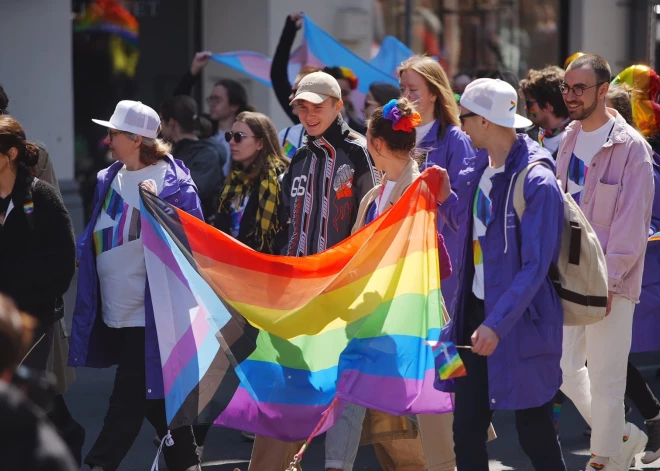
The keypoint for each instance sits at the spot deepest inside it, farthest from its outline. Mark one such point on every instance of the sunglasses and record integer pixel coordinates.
(237, 136)
(462, 117)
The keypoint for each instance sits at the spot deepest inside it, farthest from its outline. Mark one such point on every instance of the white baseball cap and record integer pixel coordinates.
(134, 117)
(495, 100)
(317, 87)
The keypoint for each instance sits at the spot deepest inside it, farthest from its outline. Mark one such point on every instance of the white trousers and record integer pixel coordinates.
(597, 390)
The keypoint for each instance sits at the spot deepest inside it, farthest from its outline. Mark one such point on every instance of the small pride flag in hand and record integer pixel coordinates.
(448, 361)
(654, 237)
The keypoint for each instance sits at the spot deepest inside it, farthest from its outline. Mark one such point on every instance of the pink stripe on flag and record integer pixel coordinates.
(256, 65)
(185, 349)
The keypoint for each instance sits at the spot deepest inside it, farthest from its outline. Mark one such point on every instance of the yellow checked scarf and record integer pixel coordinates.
(269, 199)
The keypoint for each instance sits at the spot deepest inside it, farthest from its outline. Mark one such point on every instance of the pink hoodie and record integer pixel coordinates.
(617, 200)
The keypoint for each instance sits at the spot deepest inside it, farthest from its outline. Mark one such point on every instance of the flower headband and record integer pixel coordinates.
(400, 123)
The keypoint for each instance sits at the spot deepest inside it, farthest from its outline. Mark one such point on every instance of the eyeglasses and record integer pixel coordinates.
(530, 103)
(578, 90)
(213, 99)
(461, 117)
(238, 136)
(112, 134)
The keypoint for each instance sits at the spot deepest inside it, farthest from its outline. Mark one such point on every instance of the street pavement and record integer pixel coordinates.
(226, 449)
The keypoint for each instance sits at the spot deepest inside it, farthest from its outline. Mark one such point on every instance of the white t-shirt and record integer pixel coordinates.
(118, 246)
(586, 147)
(381, 201)
(422, 131)
(482, 211)
(291, 139)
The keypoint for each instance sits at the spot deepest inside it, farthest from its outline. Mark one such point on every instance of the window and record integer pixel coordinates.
(479, 36)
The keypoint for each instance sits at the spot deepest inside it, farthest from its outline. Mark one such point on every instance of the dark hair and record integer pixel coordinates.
(599, 65)
(264, 129)
(621, 97)
(381, 127)
(12, 135)
(543, 86)
(339, 73)
(4, 101)
(207, 126)
(15, 334)
(236, 94)
(384, 92)
(183, 110)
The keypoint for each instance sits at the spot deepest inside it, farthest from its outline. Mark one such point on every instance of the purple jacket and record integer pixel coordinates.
(521, 304)
(646, 321)
(92, 343)
(449, 152)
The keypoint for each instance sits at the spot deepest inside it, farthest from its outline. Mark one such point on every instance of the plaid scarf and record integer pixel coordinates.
(269, 198)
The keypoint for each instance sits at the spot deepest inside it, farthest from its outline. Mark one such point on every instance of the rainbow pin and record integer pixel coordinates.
(513, 105)
(28, 207)
(448, 361)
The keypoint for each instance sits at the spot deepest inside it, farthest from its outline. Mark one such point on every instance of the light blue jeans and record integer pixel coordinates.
(343, 438)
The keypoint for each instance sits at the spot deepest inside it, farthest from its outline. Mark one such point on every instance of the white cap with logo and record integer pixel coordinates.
(495, 100)
(317, 87)
(134, 117)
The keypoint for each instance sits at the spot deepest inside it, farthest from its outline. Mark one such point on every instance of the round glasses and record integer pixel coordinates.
(578, 90)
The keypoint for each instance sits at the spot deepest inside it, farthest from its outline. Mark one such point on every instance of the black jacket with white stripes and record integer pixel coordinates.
(322, 190)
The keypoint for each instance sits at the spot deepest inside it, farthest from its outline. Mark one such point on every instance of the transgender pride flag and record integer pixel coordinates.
(321, 49)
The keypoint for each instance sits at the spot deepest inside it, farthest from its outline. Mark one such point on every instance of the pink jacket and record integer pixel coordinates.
(617, 200)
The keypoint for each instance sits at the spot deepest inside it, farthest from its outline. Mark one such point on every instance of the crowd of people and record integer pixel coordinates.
(298, 192)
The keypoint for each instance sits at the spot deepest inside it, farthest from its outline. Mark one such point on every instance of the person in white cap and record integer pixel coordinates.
(506, 307)
(321, 193)
(113, 320)
(606, 166)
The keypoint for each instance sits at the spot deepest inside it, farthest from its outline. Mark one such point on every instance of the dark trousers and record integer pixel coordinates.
(472, 416)
(128, 409)
(640, 394)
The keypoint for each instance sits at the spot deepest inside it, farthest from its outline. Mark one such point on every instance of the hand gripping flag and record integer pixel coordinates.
(264, 343)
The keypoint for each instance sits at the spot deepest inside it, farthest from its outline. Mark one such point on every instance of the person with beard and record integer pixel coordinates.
(606, 166)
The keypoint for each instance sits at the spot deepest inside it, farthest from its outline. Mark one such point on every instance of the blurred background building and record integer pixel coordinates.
(60, 71)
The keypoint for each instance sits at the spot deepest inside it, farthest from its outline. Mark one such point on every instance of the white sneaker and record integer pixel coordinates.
(631, 448)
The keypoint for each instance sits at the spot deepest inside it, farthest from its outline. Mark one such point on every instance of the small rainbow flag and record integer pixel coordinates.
(289, 149)
(28, 207)
(655, 237)
(513, 105)
(265, 343)
(448, 361)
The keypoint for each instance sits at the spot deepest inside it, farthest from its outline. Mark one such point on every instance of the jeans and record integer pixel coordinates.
(128, 409)
(343, 438)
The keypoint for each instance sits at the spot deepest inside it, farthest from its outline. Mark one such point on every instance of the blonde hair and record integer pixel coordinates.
(445, 109)
(151, 150)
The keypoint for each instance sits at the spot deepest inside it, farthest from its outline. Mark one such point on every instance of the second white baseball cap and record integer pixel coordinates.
(134, 117)
(495, 100)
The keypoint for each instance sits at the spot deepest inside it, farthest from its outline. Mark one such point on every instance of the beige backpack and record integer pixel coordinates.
(580, 276)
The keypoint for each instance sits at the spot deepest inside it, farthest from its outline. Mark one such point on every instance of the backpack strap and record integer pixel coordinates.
(518, 191)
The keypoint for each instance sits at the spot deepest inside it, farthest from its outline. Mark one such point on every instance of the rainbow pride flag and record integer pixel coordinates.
(264, 343)
(448, 361)
(108, 16)
(654, 237)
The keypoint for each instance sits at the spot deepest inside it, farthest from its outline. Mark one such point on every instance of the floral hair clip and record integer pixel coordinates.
(350, 76)
(400, 123)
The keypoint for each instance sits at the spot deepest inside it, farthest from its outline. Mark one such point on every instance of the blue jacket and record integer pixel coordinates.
(448, 151)
(92, 343)
(521, 304)
(646, 320)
